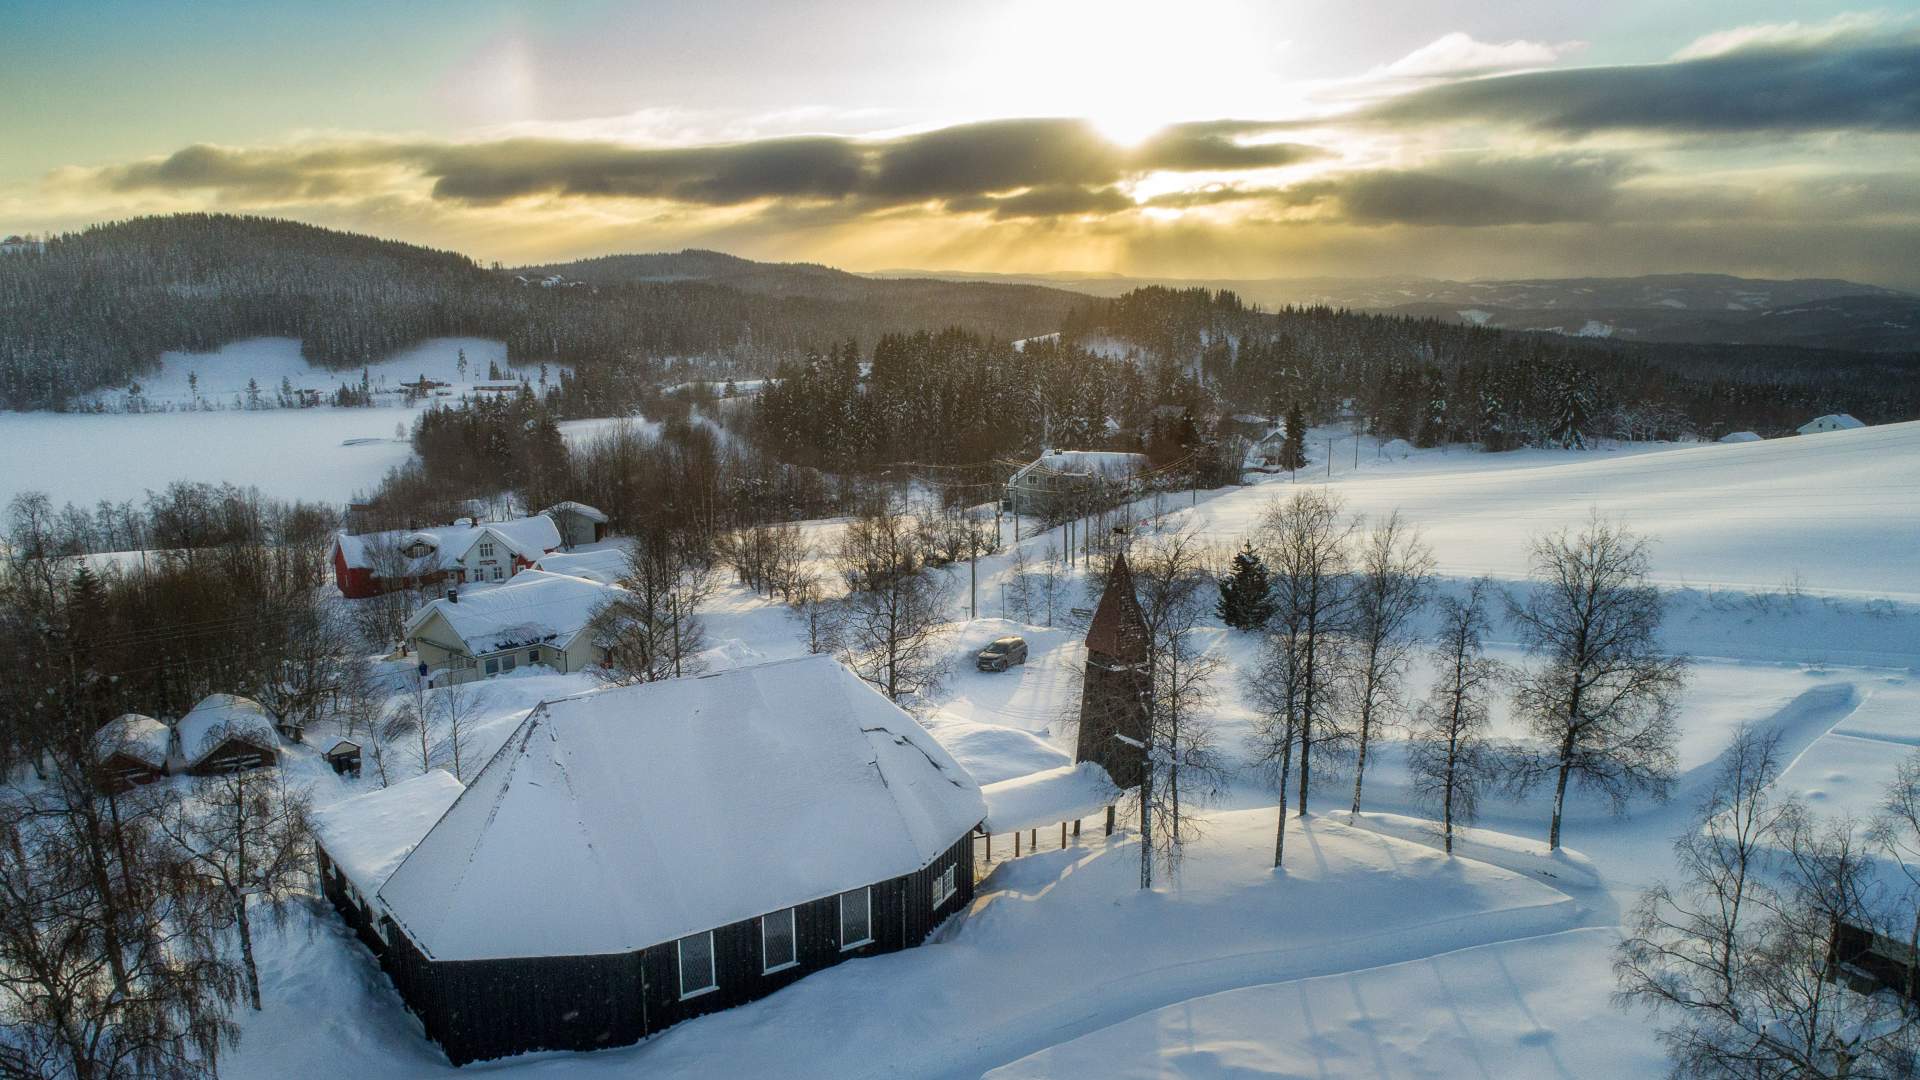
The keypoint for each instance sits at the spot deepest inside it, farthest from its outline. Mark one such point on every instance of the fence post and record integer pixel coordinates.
(1109, 821)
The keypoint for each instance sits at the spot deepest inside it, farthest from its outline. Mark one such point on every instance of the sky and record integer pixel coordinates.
(1200, 139)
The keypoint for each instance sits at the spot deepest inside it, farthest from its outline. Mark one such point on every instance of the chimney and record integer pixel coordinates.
(453, 595)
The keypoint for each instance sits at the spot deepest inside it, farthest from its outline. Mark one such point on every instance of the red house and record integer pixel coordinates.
(462, 553)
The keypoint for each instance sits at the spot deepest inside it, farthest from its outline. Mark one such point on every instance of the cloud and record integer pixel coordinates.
(1050, 157)
(1459, 54)
(1855, 26)
(1845, 84)
(1476, 192)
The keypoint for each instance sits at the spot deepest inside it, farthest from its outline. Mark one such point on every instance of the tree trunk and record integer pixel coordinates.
(246, 951)
(1446, 801)
(1360, 763)
(1560, 790)
(1146, 825)
(1280, 831)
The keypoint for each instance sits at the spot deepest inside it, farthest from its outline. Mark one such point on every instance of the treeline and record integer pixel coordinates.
(1434, 382)
(974, 406)
(101, 305)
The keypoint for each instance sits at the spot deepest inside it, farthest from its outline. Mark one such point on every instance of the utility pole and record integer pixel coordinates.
(1329, 459)
(973, 574)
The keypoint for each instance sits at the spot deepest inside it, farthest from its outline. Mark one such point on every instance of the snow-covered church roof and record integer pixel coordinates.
(627, 817)
(533, 607)
(368, 835)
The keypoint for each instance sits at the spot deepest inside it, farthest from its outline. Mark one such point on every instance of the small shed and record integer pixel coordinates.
(578, 523)
(130, 750)
(1740, 437)
(344, 756)
(227, 733)
(1830, 422)
(1059, 480)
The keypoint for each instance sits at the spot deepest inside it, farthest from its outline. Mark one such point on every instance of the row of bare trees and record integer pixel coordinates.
(1343, 627)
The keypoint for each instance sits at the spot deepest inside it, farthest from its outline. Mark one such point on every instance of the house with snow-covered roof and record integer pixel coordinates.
(637, 856)
(1830, 422)
(130, 750)
(1052, 482)
(462, 553)
(606, 565)
(227, 733)
(536, 618)
(578, 523)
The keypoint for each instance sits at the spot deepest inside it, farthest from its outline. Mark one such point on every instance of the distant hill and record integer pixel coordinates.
(992, 307)
(1691, 308)
(99, 306)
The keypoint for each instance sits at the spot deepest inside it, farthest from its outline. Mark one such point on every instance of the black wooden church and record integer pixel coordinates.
(636, 857)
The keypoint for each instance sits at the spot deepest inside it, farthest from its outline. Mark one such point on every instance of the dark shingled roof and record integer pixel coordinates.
(1119, 628)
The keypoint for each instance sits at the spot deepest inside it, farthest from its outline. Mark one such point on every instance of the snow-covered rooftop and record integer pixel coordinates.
(1068, 793)
(1739, 437)
(368, 835)
(1112, 464)
(141, 738)
(591, 513)
(606, 565)
(621, 818)
(1831, 422)
(220, 717)
(528, 538)
(533, 607)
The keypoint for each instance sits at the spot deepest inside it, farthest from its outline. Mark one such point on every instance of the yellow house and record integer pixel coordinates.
(534, 618)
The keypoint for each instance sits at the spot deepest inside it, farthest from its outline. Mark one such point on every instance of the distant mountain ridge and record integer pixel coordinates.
(1691, 308)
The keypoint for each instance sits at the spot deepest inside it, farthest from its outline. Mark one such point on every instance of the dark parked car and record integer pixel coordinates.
(1003, 654)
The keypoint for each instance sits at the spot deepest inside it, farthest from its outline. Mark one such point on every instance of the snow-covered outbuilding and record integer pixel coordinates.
(577, 522)
(131, 750)
(537, 618)
(1740, 437)
(606, 565)
(1830, 422)
(461, 553)
(633, 857)
(1050, 482)
(226, 733)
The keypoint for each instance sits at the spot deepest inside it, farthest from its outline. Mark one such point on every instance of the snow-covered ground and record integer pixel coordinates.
(1794, 574)
(322, 454)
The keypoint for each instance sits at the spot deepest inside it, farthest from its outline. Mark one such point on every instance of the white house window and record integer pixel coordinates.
(696, 965)
(507, 662)
(486, 549)
(496, 572)
(493, 665)
(776, 940)
(856, 918)
(949, 877)
(533, 656)
(943, 886)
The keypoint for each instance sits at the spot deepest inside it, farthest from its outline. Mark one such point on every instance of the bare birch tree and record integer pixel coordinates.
(1448, 754)
(1389, 588)
(651, 630)
(895, 606)
(244, 835)
(1600, 695)
(1307, 540)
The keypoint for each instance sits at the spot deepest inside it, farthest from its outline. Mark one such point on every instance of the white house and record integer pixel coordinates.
(1830, 422)
(20, 245)
(1053, 479)
(463, 553)
(537, 618)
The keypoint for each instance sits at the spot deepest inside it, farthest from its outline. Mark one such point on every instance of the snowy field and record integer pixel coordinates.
(324, 454)
(1371, 954)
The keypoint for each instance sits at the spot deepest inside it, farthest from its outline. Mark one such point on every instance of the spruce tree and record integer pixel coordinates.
(1293, 452)
(1245, 600)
